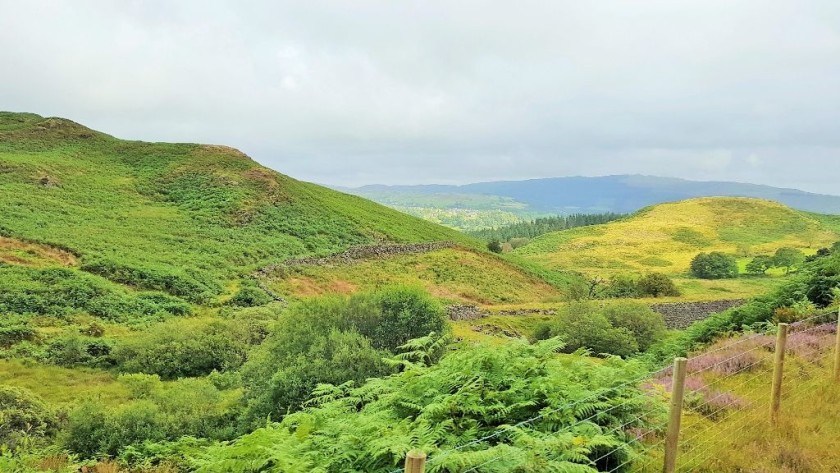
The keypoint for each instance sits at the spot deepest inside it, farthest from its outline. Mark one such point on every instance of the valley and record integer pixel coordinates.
(178, 307)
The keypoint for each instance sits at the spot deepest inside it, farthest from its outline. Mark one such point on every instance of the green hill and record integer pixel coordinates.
(189, 220)
(664, 238)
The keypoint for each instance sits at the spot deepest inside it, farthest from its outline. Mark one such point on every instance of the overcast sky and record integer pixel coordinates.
(399, 91)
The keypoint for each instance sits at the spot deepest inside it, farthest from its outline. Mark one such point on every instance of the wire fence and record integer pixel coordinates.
(721, 391)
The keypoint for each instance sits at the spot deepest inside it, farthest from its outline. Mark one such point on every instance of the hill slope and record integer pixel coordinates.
(478, 205)
(186, 219)
(664, 238)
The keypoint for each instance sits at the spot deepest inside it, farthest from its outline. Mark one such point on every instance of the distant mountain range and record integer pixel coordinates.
(563, 195)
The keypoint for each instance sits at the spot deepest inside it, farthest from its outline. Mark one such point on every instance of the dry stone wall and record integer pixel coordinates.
(362, 252)
(679, 315)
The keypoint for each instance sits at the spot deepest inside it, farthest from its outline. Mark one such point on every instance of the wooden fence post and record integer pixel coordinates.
(415, 462)
(778, 373)
(837, 351)
(673, 435)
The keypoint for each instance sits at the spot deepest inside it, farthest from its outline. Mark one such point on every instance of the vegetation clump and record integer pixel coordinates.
(467, 396)
(24, 416)
(714, 265)
(622, 329)
(335, 340)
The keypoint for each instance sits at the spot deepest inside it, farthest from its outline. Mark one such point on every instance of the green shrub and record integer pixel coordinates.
(189, 284)
(76, 350)
(657, 285)
(393, 316)
(622, 286)
(336, 358)
(334, 339)
(714, 265)
(62, 291)
(494, 245)
(616, 329)
(250, 296)
(583, 326)
(23, 415)
(647, 326)
(183, 348)
(788, 258)
(15, 329)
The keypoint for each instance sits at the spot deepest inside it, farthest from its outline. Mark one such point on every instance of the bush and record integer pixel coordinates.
(334, 339)
(494, 245)
(250, 296)
(183, 348)
(189, 285)
(24, 416)
(622, 286)
(714, 265)
(647, 326)
(657, 285)
(616, 329)
(76, 350)
(391, 317)
(15, 329)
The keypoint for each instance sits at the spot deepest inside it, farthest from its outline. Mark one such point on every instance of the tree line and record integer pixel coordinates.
(543, 225)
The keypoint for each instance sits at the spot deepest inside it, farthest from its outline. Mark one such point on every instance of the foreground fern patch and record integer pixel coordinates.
(520, 407)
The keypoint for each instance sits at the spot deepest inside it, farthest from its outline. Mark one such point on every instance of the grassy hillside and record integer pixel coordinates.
(185, 219)
(665, 238)
(452, 274)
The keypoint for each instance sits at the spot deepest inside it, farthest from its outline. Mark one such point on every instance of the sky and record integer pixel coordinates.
(413, 92)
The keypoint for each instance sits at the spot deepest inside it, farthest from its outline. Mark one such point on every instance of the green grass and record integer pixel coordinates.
(454, 275)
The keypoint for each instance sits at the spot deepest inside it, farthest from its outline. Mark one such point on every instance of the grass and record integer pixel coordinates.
(455, 275)
(806, 439)
(63, 387)
(664, 238)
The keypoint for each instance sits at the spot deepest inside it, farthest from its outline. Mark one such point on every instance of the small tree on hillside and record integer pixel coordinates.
(788, 258)
(760, 264)
(657, 285)
(714, 265)
(495, 246)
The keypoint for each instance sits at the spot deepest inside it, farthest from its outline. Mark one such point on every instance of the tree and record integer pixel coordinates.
(788, 258)
(760, 264)
(657, 285)
(495, 246)
(714, 265)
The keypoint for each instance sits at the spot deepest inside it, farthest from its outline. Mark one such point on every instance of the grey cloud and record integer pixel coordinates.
(409, 92)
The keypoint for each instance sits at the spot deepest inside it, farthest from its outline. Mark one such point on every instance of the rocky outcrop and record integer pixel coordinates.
(679, 315)
(464, 312)
(521, 312)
